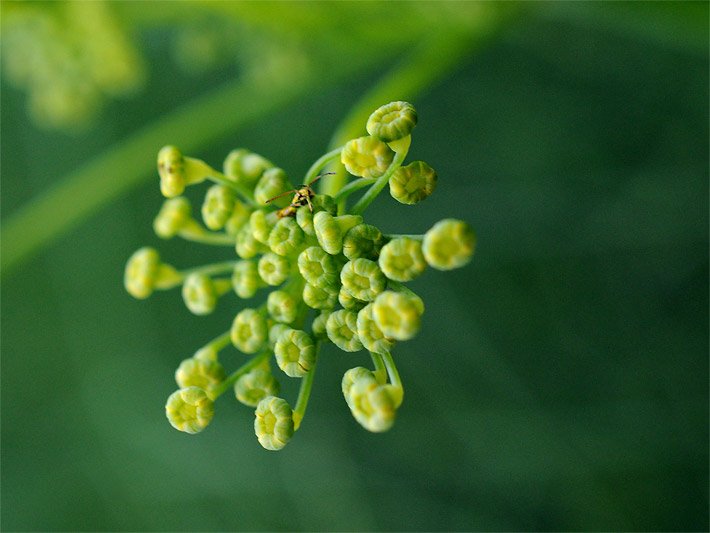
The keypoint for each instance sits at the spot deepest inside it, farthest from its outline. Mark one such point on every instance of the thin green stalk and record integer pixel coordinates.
(377, 187)
(404, 235)
(320, 163)
(234, 376)
(380, 368)
(202, 236)
(395, 380)
(353, 186)
(246, 194)
(208, 270)
(304, 393)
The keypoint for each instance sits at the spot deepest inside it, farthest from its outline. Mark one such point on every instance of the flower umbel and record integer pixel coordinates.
(326, 276)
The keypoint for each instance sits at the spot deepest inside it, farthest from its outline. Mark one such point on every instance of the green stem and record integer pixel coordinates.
(352, 187)
(198, 234)
(404, 236)
(320, 163)
(220, 342)
(243, 191)
(377, 187)
(208, 270)
(400, 287)
(380, 368)
(304, 393)
(395, 380)
(234, 376)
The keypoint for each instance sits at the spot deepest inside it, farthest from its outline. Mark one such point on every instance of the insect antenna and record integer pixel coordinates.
(280, 195)
(319, 176)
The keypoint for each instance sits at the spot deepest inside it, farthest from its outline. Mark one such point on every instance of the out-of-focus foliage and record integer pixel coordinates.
(567, 389)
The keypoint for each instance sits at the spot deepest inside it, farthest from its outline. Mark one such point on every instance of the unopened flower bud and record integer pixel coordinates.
(366, 157)
(274, 423)
(249, 331)
(295, 352)
(412, 183)
(401, 259)
(392, 121)
(449, 244)
(253, 387)
(363, 279)
(342, 330)
(174, 215)
(189, 410)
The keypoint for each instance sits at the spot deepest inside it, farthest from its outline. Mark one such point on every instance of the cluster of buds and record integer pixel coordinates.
(332, 277)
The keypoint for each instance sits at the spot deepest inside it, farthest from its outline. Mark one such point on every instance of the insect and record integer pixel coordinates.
(302, 197)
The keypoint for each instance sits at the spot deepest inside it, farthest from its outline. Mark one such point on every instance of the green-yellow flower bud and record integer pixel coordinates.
(330, 230)
(201, 293)
(392, 121)
(342, 330)
(244, 166)
(249, 331)
(272, 183)
(262, 223)
(253, 387)
(353, 375)
(247, 246)
(200, 372)
(363, 279)
(318, 268)
(362, 240)
(401, 259)
(348, 301)
(318, 298)
(218, 206)
(320, 202)
(449, 244)
(398, 315)
(374, 406)
(174, 215)
(245, 279)
(366, 157)
(295, 352)
(145, 272)
(275, 332)
(274, 269)
(274, 423)
(370, 333)
(189, 410)
(286, 237)
(240, 216)
(318, 325)
(176, 171)
(282, 306)
(412, 183)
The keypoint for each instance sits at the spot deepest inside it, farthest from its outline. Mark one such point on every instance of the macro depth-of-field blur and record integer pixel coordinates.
(559, 381)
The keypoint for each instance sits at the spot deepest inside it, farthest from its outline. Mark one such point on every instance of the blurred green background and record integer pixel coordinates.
(559, 382)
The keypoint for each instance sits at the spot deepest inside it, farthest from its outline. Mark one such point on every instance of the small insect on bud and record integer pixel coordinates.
(253, 387)
(341, 328)
(282, 307)
(392, 121)
(366, 157)
(449, 244)
(401, 259)
(174, 215)
(218, 206)
(412, 183)
(363, 279)
(319, 202)
(273, 424)
(249, 331)
(189, 410)
(200, 372)
(295, 352)
(286, 237)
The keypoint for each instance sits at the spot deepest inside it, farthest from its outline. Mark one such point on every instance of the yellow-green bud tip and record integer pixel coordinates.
(366, 157)
(449, 244)
(171, 169)
(413, 183)
(273, 423)
(392, 121)
(189, 410)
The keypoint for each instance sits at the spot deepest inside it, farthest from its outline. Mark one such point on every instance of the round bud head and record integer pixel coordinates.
(245, 166)
(249, 331)
(363, 279)
(142, 272)
(330, 230)
(253, 387)
(347, 301)
(318, 268)
(206, 353)
(366, 157)
(317, 298)
(370, 333)
(318, 325)
(262, 223)
(341, 328)
(199, 294)
(392, 121)
(218, 206)
(282, 307)
(398, 315)
(247, 246)
(189, 410)
(171, 169)
(362, 240)
(304, 216)
(274, 269)
(245, 279)
(174, 215)
(449, 244)
(274, 423)
(272, 183)
(286, 237)
(275, 332)
(200, 372)
(401, 259)
(373, 405)
(240, 216)
(413, 183)
(351, 376)
(295, 352)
